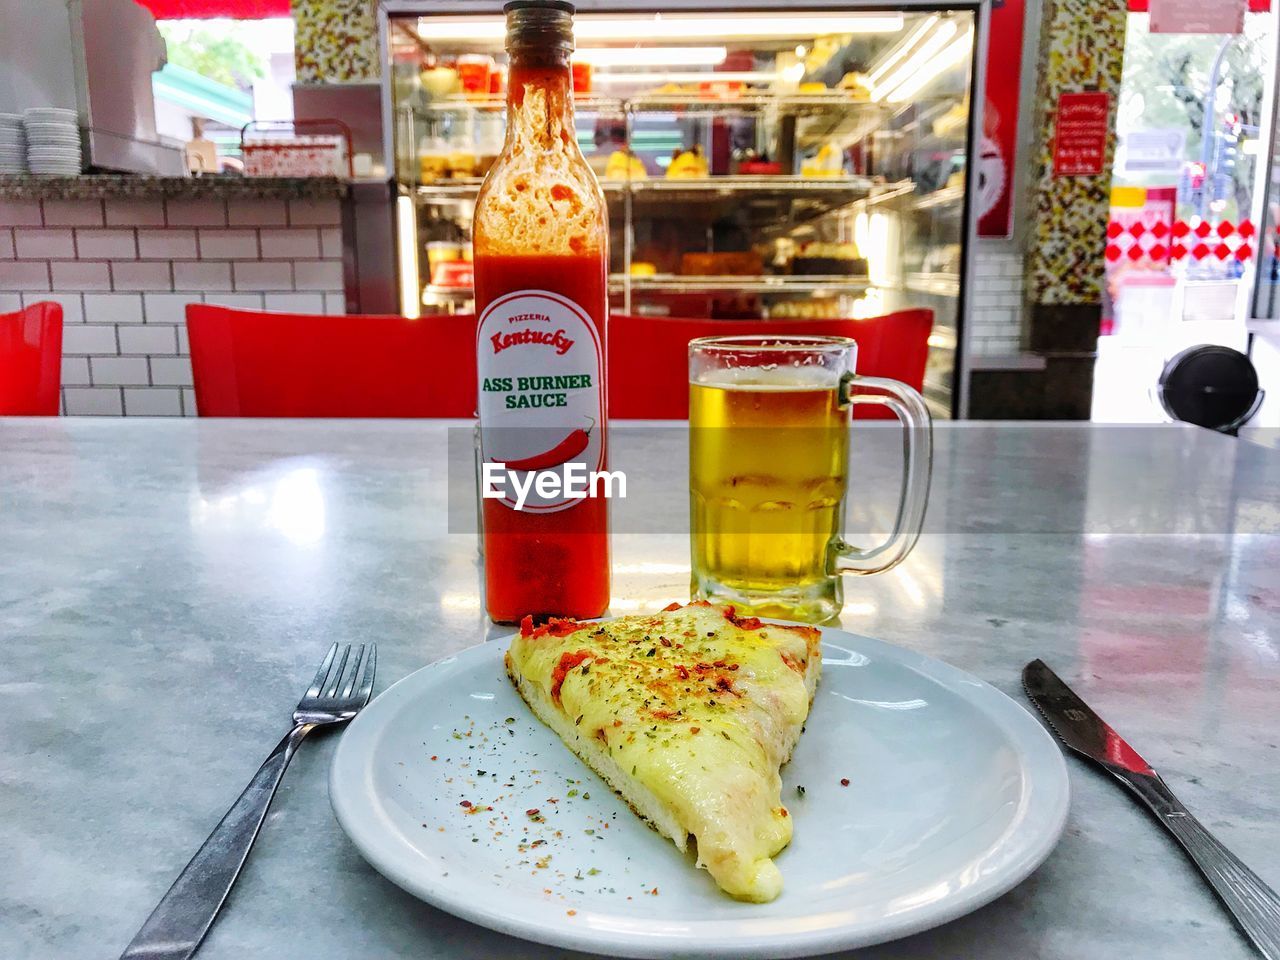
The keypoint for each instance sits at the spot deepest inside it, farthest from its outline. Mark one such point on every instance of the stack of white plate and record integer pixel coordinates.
(53, 140)
(13, 144)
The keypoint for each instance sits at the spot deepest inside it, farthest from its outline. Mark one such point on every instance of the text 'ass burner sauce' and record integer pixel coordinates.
(541, 267)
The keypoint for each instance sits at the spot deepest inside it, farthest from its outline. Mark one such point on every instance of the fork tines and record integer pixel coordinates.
(344, 680)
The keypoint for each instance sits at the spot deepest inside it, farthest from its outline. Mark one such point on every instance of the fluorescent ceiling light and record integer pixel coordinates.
(918, 60)
(902, 49)
(953, 55)
(673, 26)
(652, 56)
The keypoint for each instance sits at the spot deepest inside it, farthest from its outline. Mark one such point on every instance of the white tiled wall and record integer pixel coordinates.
(124, 271)
(996, 316)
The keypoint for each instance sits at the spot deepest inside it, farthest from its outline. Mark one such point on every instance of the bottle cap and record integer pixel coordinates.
(564, 5)
(539, 26)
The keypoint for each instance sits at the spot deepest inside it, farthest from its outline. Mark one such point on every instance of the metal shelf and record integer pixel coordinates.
(774, 184)
(456, 102)
(782, 285)
(699, 186)
(771, 205)
(821, 118)
(796, 104)
(951, 197)
(809, 286)
(936, 284)
(800, 105)
(461, 188)
(432, 294)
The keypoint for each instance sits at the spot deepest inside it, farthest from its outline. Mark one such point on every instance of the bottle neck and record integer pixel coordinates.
(540, 77)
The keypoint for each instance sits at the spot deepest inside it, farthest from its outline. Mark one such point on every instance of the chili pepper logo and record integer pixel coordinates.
(562, 452)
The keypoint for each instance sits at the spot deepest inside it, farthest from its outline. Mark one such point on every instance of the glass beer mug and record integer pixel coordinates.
(769, 422)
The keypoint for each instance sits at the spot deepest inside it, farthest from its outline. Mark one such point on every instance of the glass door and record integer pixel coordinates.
(1183, 237)
(1266, 294)
(1264, 322)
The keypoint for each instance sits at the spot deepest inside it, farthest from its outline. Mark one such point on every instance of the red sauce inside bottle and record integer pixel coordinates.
(557, 563)
(553, 564)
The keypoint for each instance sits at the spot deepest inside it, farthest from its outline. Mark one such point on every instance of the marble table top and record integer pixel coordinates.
(166, 588)
(96, 186)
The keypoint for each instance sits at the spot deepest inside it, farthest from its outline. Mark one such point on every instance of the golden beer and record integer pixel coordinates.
(769, 453)
(768, 472)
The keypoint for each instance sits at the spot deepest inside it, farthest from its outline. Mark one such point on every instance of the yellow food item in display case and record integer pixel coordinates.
(688, 165)
(440, 81)
(818, 309)
(857, 86)
(829, 162)
(624, 165)
(432, 167)
(952, 123)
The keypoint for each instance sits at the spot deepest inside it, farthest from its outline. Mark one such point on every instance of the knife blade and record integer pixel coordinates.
(1254, 905)
(1076, 724)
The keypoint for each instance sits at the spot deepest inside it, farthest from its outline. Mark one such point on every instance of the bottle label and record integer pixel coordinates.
(540, 368)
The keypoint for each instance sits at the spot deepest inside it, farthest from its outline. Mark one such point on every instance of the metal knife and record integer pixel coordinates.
(1255, 906)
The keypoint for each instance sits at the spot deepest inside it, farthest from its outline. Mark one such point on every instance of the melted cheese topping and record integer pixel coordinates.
(698, 708)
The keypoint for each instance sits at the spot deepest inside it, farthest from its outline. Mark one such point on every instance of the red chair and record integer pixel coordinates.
(649, 356)
(248, 363)
(31, 361)
(255, 364)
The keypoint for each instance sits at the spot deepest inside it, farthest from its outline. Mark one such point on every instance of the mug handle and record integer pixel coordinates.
(917, 470)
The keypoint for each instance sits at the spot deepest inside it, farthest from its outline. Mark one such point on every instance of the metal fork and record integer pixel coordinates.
(342, 686)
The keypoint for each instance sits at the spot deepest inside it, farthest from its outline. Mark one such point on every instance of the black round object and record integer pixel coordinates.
(1209, 386)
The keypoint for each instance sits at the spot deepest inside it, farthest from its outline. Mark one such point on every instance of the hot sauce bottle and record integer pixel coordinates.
(541, 256)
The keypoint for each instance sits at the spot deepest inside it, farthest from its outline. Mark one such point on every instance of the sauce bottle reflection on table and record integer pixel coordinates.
(541, 269)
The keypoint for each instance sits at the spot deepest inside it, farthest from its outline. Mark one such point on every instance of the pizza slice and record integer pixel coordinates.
(688, 714)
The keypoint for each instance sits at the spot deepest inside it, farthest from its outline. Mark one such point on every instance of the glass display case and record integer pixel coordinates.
(806, 165)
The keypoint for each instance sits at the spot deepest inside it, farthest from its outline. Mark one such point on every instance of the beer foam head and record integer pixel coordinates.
(771, 377)
(540, 197)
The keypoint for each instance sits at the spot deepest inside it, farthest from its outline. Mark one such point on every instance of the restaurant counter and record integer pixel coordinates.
(135, 187)
(124, 255)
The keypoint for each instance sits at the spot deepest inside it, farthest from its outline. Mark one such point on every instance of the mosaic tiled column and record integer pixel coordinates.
(1081, 49)
(336, 41)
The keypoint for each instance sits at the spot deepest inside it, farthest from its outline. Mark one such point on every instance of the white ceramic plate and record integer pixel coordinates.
(956, 794)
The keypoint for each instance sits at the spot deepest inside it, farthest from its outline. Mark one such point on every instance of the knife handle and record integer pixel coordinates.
(1255, 906)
